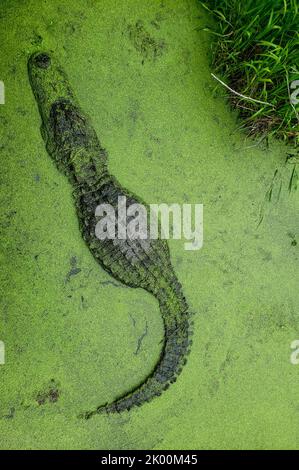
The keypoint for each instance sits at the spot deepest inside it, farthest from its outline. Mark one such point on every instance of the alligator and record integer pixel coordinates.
(72, 143)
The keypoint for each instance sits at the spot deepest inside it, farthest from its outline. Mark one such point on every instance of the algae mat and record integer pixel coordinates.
(74, 337)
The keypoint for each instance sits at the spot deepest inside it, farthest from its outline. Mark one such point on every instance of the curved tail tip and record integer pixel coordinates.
(101, 410)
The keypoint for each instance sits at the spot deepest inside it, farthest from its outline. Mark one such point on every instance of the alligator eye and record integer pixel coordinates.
(43, 61)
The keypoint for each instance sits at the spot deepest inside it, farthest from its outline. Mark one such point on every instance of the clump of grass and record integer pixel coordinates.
(256, 52)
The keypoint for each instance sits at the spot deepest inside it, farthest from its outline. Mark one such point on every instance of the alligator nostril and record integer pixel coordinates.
(43, 60)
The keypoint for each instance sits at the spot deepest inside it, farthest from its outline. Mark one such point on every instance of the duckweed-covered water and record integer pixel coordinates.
(75, 338)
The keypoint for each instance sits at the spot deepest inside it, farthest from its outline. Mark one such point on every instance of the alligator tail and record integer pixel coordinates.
(175, 348)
